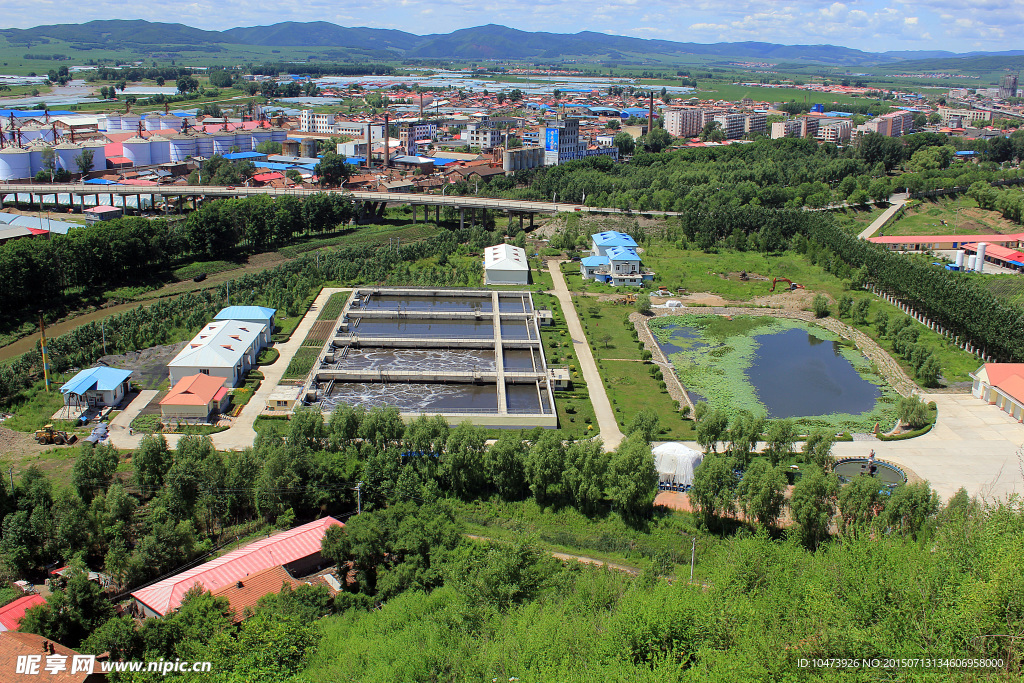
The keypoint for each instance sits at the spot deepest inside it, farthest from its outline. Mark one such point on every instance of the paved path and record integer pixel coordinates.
(606, 422)
(897, 202)
(123, 420)
(241, 434)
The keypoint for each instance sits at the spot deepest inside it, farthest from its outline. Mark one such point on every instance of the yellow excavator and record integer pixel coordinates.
(49, 435)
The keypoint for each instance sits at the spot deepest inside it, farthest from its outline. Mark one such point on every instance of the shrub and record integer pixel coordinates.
(820, 306)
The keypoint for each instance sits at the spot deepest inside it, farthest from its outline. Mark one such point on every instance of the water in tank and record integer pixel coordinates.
(159, 150)
(137, 150)
(182, 147)
(14, 163)
(65, 156)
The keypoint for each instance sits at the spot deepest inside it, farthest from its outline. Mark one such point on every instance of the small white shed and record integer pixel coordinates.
(505, 264)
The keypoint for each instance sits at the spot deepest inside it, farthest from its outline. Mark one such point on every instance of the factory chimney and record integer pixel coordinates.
(387, 143)
(650, 115)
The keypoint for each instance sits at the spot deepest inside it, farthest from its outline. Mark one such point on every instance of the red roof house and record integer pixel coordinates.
(195, 397)
(12, 612)
(298, 548)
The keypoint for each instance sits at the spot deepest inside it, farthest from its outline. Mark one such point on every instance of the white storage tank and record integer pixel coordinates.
(258, 136)
(182, 147)
(223, 142)
(113, 123)
(159, 150)
(35, 156)
(99, 155)
(959, 259)
(243, 141)
(204, 145)
(979, 263)
(170, 122)
(136, 149)
(130, 123)
(153, 122)
(971, 260)
(64, 156)
(14, 163)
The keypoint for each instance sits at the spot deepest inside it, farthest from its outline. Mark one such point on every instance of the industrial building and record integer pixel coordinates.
(562, 143)
(297, 550)
(194, 399)
(1002, 385)
(463, 354)
(506, 264)
(97, 387)
(226, 349)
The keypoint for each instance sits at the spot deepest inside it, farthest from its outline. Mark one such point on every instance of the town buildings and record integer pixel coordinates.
(562, 143)
(961, 118)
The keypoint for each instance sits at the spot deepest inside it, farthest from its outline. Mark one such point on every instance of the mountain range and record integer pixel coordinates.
(482, 42)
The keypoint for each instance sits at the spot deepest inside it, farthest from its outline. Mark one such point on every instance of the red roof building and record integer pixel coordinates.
(1002, 385)
(44, 661)
(12, 612)
(245, 593)
(195, 397)
(298, 548)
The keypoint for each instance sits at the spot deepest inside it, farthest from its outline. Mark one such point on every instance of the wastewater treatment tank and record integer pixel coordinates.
(886, 473)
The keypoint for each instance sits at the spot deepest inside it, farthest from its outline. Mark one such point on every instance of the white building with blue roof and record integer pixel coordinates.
(96, 387)
(601, 242)
(251, 314)
(615, 261)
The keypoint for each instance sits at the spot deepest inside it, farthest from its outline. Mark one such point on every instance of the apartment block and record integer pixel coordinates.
(835, 131)
(482, 134)
(684, 122)
(562, 143)
(961, 118)
(357, 130)
(310, 122)
(755, 122)
(732, 124)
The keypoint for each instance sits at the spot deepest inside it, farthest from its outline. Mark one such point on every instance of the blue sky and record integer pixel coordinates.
(956, 25)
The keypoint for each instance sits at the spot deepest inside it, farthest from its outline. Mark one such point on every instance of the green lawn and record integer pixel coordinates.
(855, 219)
(302, 362)
(332, 309)
(940, 217)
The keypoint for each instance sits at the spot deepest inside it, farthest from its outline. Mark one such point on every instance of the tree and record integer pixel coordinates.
(505, 466)
(910, 507)
(820, 306)
(150, 463)
(632, 479)
(544, 464)
(713, 492)
(812, 505)
(743, 436)
(83, 162)
(844, 306)
(586, 467)
(761, 493)
(186, 85)
(912, 411)
(711, 428)
(332, 170)
(93, 469)
(72, 613)
(780, 438)
(644, 425)
(624, 142)
(860, 501)
(462, 464)
(817, 448)
(657, 140)
(712, 132)
(643, 303)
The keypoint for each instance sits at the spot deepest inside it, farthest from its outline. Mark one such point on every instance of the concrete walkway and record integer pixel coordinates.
(241, 434)
(896, 203)
(606, 422)
(123, 420)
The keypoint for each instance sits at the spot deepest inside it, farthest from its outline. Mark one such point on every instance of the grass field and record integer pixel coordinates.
(302, 362)
(856, 219)
(332, 309)
(945, 216)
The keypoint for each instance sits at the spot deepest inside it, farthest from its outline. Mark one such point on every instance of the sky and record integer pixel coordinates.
(870, 25)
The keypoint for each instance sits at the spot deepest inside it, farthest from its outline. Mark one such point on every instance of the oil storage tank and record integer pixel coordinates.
(170, 122)
(153, 122)
(159, 150)
(204, 145)
(182, 147)
(99, 155)
(137, 150)
(243, 141)
(979, 262)
(14, 163)
(65, 156)
(130, 123)
(223, 142)
(113, 123)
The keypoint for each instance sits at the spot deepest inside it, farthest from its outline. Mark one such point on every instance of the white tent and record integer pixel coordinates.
(505, 264)
(675, 463)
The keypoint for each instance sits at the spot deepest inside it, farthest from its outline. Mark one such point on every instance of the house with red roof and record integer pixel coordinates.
(297, 550)
(245, 593)
(195, 397)
(42, 660)
(1002, 385)
(12, 613)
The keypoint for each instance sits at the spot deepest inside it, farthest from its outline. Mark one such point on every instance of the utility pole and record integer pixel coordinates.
(693, 556)
(359, 497)
(42, 347)
(103, 332)
(10, 471)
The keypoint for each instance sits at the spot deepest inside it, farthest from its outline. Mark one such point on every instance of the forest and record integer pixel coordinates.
(897, 577)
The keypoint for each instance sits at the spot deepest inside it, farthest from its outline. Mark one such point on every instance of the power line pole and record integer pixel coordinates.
(359, 498)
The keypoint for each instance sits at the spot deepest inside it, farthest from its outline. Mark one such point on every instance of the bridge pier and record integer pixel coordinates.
(462, 217)
(437, 214)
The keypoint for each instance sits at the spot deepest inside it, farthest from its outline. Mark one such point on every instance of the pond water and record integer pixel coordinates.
(885, 473)
(519, 359)
(393, 360)
(438, 328)
(414, 397)
(416, 302)
(797, 374)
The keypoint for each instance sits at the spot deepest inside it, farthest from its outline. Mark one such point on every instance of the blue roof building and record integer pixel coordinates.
(96, 387)
(618, 265)
(251, 314)
(601, 242)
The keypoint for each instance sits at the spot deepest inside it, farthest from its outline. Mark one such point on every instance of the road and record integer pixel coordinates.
(606, 422)
(896, 202)
(455, 201)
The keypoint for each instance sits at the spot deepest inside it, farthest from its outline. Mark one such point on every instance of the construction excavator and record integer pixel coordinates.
(48, 435)
(792, 285)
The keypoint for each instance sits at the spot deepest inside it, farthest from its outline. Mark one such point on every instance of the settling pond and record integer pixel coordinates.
(777, 368)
